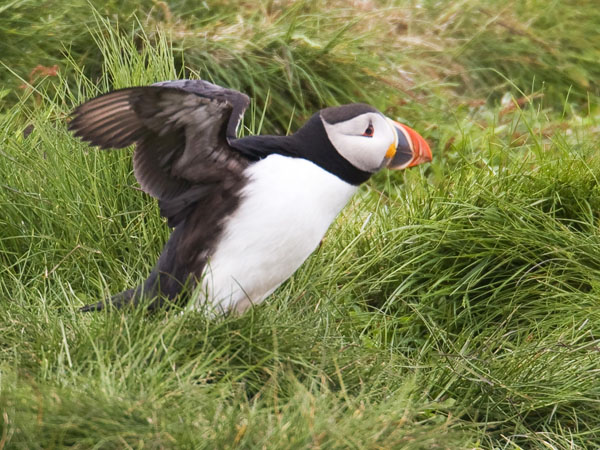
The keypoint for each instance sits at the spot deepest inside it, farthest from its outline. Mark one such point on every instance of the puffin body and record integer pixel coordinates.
(246, 212)
(286, 208)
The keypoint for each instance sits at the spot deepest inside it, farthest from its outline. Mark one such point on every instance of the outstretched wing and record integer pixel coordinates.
(181, 130)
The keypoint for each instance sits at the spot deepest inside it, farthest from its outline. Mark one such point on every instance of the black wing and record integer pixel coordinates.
(181, 130)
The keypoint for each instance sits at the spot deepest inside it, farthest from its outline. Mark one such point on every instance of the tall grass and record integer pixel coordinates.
(450, 306)
(309, 54)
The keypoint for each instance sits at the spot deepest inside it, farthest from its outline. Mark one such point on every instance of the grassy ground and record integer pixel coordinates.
(451, 306)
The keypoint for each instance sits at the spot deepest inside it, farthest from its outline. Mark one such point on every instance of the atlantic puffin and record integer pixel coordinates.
(245, 212)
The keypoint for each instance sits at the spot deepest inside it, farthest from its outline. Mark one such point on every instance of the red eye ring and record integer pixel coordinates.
(369, 131)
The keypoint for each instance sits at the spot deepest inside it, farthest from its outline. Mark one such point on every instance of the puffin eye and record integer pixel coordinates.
(369, 131)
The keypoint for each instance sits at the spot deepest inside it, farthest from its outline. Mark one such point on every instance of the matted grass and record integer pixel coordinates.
(451, 306)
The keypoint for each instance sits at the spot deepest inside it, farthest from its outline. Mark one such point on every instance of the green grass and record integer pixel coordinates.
(455, 305)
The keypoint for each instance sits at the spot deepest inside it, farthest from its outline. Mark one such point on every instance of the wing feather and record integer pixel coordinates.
(181, 130)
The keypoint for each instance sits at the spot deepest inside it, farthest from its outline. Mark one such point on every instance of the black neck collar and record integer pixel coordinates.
(309, 142)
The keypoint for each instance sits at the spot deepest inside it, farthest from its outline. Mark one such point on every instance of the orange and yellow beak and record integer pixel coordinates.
(410, 149)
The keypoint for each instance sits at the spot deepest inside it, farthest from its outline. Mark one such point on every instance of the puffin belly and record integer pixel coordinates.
(285, 210)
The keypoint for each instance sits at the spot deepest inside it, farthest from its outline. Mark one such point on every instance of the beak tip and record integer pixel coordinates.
(421, 150)
(426, 154)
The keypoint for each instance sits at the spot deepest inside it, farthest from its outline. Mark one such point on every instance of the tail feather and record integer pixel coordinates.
(169, 283)
(119, 301)
(153, 293)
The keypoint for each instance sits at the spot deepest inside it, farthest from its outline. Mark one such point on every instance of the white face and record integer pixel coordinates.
(363, 140)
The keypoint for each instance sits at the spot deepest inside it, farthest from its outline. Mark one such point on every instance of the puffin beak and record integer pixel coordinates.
(410, 149)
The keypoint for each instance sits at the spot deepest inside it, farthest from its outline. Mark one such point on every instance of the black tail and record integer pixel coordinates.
(130, 297)
(169, 283)
(157, 291)
(149, 295)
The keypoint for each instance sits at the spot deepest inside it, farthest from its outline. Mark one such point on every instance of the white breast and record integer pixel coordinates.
(286, 209)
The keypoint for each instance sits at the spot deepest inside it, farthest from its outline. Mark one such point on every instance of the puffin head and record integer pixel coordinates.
(371, 141)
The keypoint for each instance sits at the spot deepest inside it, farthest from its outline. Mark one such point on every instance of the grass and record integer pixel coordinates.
(450, 306)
